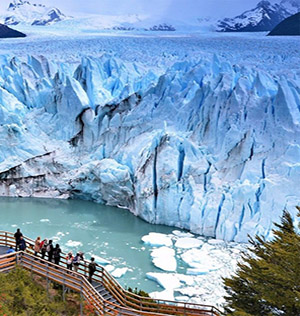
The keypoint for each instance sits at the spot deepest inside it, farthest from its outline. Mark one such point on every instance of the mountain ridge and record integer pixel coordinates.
(25, 12)
(264, 17)
(288, 27)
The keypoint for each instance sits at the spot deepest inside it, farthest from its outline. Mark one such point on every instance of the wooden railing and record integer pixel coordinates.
(127, 303)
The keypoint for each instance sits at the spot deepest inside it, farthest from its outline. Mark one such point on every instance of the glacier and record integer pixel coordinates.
(201, 142)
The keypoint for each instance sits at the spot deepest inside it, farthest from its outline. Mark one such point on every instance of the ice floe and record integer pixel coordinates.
(157, 239)
(101, 260)
(119, 272)
(188, 243)
(164, 258)
(73, 243)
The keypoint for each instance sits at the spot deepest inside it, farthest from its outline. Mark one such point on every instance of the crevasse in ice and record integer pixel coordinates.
(208, 146)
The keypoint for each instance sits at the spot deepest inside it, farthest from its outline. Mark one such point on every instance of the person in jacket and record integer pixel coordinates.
(10, 250)
(43, 247)
(56, 254)
(70, 259)
(37, 246)
(50, 250)
(18, 236)
(92, 269)
(22, 244)
(77, 259)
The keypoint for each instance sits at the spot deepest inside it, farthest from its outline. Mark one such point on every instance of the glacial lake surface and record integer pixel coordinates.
(108, 232)
(116, 236)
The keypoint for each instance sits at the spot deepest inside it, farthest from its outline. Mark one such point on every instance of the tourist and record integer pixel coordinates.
(92, 268)
(10, 250)
(22, 244)
(50, 250)
(70, 259)
(56, 254)
(43, 247)
(37, 246)
(77, 259)
(17, 236)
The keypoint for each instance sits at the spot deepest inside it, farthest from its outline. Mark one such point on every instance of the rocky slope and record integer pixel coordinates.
(290, 26)
(7, 32)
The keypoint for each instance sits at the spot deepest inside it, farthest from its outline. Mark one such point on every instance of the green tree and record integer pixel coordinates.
(21, 295)
(267, 281)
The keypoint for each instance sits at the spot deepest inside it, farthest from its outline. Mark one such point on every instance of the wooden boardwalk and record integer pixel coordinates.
(104, 293)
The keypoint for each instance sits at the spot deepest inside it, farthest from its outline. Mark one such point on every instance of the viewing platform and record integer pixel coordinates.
(104, 293)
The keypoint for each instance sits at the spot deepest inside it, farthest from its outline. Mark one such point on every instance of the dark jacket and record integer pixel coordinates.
(18, 236)
(22, 245)
(92, 267)
(51, 249)
(56, 252)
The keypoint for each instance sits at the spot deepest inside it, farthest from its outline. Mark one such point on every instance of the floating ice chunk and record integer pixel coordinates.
(182, 298)
(179, 233)
(164, 258)
(188, 243)
(196, 258)
(101, 260)
(191, 291)
(157, 239)
(45, 220)
(109, 268)
(163, 295)
(55, 238)
(73, 243)
(198, 271)
(163, 251)
(216, 242)
(186, 279)
(165, 280)
(119, 272)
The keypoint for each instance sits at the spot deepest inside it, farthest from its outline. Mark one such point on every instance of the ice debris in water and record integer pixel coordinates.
(164, 258)
(119, 272)
(199, 270)
(73, 243)
(187, 243)
(157, 239)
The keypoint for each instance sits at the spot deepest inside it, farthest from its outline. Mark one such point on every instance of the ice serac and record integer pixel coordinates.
(206, 146)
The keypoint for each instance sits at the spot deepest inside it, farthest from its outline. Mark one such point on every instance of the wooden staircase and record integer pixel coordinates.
(104, 293)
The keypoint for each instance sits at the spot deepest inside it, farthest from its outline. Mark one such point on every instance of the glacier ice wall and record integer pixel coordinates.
(207, 145)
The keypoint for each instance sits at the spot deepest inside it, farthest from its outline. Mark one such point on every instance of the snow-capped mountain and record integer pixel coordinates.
(24, 12)
(292, 6)
(264, 17)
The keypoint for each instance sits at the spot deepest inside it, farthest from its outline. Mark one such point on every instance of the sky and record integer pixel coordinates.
(175, 8)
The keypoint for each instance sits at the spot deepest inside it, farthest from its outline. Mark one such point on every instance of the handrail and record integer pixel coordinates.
(124, 300)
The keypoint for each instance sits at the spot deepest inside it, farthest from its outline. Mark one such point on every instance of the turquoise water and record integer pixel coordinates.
(111, 233)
